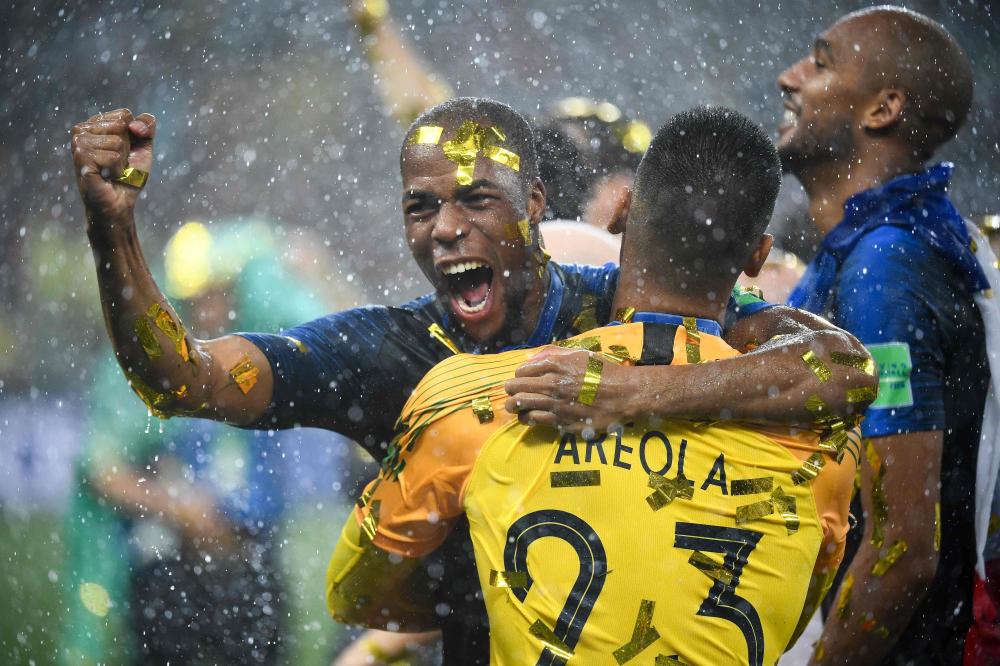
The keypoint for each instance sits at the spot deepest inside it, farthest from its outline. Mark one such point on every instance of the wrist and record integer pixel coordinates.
(110, 231)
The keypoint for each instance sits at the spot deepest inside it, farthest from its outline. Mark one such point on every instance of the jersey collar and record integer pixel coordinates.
(709, 326)
(542, 335)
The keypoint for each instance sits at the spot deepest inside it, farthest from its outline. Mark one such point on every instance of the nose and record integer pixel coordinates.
(450, 226)
(790, 80)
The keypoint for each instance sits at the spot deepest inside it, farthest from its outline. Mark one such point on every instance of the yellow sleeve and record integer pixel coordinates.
(364, 586)
(832, 490)
(413, 513)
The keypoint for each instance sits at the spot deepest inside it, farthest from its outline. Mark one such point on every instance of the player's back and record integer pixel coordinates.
(691, 543)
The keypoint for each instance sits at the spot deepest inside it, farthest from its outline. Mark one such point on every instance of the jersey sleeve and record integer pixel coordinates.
(413, 512)
(832, 491)
(887, 298)
(350, 372)
(743, 303)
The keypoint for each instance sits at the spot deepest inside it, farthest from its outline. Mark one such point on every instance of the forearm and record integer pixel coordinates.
(165, 366)
(171, 371)
(773, 384)
(406, 84)
(872, 611)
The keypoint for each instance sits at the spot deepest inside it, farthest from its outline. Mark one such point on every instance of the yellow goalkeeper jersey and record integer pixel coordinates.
(669, 542)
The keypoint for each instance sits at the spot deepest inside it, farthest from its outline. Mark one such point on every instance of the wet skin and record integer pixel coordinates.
(448, 224)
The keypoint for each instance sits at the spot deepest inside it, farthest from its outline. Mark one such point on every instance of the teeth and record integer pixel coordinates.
(461, 267)
(790, 117)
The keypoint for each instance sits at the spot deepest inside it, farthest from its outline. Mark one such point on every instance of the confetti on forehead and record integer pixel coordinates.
(470, 141)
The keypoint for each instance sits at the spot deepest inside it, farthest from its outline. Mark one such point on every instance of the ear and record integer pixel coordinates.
(616, 225)
(756, 261)
(885, 110)
(536, 201)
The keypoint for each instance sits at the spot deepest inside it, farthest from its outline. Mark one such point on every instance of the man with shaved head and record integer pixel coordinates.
(881, 90)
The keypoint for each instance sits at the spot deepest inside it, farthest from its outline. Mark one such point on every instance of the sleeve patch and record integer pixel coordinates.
(892, 360)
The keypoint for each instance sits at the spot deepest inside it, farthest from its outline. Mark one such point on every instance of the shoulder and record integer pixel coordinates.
(462, 378)
(888, 248)
(593, 279)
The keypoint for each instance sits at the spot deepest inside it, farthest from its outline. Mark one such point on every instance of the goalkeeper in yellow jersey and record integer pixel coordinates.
(666, 541)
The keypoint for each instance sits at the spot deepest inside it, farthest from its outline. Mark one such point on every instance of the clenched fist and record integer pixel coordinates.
(103, 146)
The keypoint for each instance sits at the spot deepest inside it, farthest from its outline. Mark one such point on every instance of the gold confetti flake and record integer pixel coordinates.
(159, 404)
(666, 491)
(844, 598)
(577, 479)
(746, 513)
(438, 334)
(779, 502)
(144, 334)
(171, 328)
(591, 381)
(590, 343)
(669, 660)
(865, 365)
(710, 567)
(539, 630)
(880, 508)
(937, 525)
(298, 344)
(524, 230)
(586, 320)
(892, 556)
(693, 345)
(810, 469)
(472, 140)
(862, 394)
(509, 579)
(133, 177)
(817, 407)
(644, 634)
(817, 366)
(619, 354)
(624, 315)
(425, 135)
(370, 523)
(483, 410)
(756, 486)
(543, 257)
(244, 373)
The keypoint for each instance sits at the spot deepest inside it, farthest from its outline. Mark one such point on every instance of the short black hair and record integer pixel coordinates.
(704, 193)
(563, 169)
(580, 142)
(517, 132)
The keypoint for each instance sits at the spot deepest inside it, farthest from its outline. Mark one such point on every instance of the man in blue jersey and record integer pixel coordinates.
(472, 201)
(881, 90)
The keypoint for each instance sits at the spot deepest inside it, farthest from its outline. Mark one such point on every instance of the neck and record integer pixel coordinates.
(830, 184)
(536, 290)
(646, 294)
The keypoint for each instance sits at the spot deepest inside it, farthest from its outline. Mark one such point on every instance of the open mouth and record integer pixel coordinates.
(470, 285)
(789, 119)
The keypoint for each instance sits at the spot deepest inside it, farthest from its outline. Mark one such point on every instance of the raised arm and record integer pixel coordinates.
(407, 85)
(225, 379)
(771, 383)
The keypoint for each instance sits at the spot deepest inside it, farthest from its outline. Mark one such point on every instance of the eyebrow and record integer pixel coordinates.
(822, 45)
(420, 195)
(482, 182)
(424, 195)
